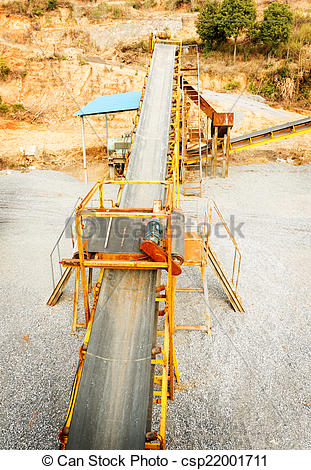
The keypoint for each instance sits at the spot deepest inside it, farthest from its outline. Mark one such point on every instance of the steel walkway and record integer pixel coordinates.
(113, 397)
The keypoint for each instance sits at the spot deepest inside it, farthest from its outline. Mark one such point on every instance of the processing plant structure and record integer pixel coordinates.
(127, 362)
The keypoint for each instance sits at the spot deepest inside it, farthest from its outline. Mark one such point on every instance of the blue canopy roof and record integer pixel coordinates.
(111, 104)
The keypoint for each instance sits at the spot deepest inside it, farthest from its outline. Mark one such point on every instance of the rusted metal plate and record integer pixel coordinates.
(193, 95)
(118, 159)
(223, 119)
(206, 108)
(122, 145)
(153, 250)
(218, 119)
(117, 264)
(158, 255)
(193, 248)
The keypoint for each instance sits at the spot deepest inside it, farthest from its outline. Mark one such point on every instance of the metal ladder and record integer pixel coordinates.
(191, 117)
(195, 257)
(228, 283)
(225, 281)
(65, 275)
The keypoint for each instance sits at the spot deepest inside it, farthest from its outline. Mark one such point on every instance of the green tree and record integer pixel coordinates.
(237, 17)
(277, 24)
(209, 26)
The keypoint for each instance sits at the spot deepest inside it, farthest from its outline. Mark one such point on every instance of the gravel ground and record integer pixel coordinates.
(36, 370)
(247, 103)
(244, 388)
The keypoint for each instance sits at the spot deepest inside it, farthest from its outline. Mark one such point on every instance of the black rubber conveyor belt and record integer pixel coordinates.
(113, 396)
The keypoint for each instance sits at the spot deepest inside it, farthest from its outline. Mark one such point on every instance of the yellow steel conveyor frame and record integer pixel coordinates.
(196, 249)
(167, 363)
(265, 136)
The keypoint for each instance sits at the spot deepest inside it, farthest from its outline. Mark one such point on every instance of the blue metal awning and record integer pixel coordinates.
(111, 104)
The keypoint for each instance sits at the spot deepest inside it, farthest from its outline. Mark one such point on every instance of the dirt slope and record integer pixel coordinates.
(60, 61)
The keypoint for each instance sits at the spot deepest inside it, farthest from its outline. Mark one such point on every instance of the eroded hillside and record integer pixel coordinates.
(54, 63)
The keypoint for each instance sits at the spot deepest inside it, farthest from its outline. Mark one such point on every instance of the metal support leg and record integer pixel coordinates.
(224, 156)
(208, 137)
(175, 364)
(152, 370)
(207, 306)
(90, 279)
(84, 150)
(227, 149)
(75, 301)
(83, 269)
(164, 383)
(214, 153)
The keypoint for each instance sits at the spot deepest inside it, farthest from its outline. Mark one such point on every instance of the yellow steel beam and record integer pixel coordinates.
(164, 383)
(269, 140)
(79, 231)
(145, 215)
(122, 182)
(254, 144)
(96, 263)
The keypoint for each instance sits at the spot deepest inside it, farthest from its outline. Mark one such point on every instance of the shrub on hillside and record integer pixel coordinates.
(298, 42)
(284, 84)
(141, 47)
(4, 69)
(17, 108)
(4, 109)
(233, 85)
(30, 8)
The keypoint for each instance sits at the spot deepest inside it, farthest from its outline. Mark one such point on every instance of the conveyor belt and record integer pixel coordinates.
(282, 131)
(261, 137)
(113, 397)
